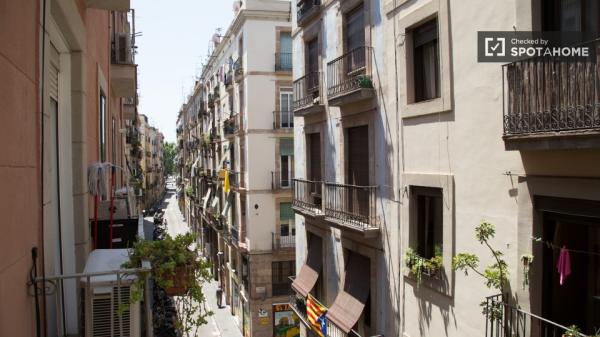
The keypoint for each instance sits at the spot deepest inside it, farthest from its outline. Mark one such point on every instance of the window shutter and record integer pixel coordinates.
(285, 211)
(286, 147)
(53, 73)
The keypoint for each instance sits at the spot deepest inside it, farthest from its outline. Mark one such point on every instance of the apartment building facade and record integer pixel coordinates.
(68, 83)
(152, 141)
(451, 143)
(237, 163)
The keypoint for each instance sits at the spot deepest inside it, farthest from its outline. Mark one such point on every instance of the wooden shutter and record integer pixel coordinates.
(314, 172)
(358, 156)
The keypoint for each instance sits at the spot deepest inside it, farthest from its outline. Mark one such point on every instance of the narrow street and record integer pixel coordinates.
(222, 323)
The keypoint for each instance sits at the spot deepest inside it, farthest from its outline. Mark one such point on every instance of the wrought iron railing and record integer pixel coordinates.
(506, 320)
(352, 205)
(283, 61)
(279, 241)
(307, 195)
(306, 89)
(235, 235)
(235, 179)
(544, 94)
(279, 181)
(231, 125)
(110, 313)
(283, 119)
(238, 69)
(306, 9)
(349, 72)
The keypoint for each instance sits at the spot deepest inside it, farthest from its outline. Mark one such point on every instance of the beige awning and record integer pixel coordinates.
(350, 302)
(309, 272)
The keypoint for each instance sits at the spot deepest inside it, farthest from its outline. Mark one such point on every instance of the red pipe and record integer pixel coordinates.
(112, 202)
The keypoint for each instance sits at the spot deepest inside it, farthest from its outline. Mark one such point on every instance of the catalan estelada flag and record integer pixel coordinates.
(316, 316)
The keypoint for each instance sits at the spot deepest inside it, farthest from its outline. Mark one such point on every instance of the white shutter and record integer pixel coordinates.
(53, 71)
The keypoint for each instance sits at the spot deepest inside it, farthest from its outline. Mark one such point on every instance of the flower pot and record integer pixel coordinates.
(182, 280)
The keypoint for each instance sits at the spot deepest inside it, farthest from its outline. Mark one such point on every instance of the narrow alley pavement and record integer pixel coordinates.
(222, 323)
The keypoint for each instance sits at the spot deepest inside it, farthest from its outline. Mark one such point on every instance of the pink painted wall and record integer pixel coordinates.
(20, 182)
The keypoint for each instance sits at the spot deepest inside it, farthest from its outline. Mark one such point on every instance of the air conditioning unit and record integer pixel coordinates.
(103, 295)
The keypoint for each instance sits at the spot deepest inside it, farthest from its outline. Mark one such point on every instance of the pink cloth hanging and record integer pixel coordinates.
(564, 264)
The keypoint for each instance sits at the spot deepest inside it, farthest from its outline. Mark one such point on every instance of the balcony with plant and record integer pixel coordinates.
(349, 77)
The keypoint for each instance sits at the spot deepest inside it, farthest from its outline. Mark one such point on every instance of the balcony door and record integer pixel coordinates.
(357, 170)
(312, 65)
(577, 300)
(572, 15)
(354, 36)
(286, 119)
(285, 51)
(286, 153)
(313, 145)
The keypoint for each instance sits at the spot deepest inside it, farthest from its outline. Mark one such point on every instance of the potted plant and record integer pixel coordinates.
(178, 269)
(572, 331)
(420, 266)
(365, 82)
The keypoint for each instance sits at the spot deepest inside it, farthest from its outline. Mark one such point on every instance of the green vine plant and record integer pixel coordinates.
(419, 265)
(167, 258)
(495, 275)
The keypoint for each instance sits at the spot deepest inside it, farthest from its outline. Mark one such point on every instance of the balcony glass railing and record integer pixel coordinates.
(544, 94)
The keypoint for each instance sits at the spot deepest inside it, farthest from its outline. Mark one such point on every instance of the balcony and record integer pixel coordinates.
(281, 182)
(307, 94)
(283, 61)
(236, 180)
(349, 78)
(231, 126)
(283, 242)
(229, 80)
(129, 108)
(307, 197)
(342, 205)
(103, 308)
(283, 120)
(504, 319)
(122, 68)
(238, 70)
(307, 10)
(111, 5)
(551, 104)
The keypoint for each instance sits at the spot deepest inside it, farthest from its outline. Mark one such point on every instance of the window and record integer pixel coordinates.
(102, 127)
(355, 29)
(428, 221)
(286, 221)
(286, 153)
(571, 15)
(281, 272)
(286, 117)
(285, 51)
(426, 61)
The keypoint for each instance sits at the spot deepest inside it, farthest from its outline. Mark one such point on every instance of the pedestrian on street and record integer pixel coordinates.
(219, 297)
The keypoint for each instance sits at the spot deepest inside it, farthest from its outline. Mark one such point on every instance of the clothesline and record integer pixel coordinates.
(553, 246)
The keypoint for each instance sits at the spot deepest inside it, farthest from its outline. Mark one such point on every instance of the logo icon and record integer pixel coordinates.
(495, 46)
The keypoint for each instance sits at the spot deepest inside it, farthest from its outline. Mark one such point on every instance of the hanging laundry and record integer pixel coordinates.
(564, 264)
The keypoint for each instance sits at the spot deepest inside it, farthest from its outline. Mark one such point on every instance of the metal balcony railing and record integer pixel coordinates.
(544, 94)
(279, 241)
(506, 320)
(235, 236)
(238, 69)
(306, 89)
(349, 72)
(283, 61)
(279, 181)
(236, 179)
(109, 312)
(231, 125)
(351, 205)
(122, 49)
(306, 9)
(283, 119)
(307, 195)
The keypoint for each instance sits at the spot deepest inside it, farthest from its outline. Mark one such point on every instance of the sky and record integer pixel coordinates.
(175, 36)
